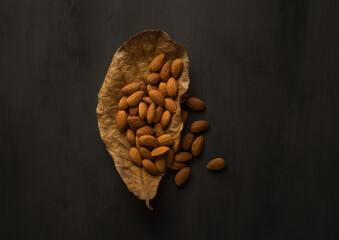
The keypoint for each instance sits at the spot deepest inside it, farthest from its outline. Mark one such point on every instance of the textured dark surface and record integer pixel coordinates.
(268, 71)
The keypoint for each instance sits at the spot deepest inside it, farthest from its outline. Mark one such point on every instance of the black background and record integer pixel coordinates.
(268, 71)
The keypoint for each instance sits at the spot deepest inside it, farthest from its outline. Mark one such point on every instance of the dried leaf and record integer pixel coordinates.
(131, 64)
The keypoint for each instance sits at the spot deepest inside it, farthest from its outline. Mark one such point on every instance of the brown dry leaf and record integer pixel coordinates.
(131, 64)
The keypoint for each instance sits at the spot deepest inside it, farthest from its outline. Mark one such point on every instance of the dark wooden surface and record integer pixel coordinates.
(268, 71)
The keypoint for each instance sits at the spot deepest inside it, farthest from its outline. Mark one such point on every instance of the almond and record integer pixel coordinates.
(177, 166)
(153, 78)
(135, 121)
(157, 63)
(169, 157)
(160, 164)
(145, 130)
(151, 87)
(158, 130)
(176, 67)
(195, 104)
(147, 100)
(184, 116)
(182, 176)
(135, 156)
(130, 88)
(172, 87)
(197, 146)
(135, 98)
(199, 126)
(159, 151)
(178, 147)
(187, 141)
(148, 141)
(158, 114)
(163, 89)
(170, 105)
(137, 142)
(184, 98)
(130, 136)
(143, 88)
(157, 97)
(150, 113)
(123, 103)
(165, 119)
(216, 164)
(165, 140)
(142, 110)
(165, 72)
(145, 153)
(182, 157)
(133, 111)
(149, 166)
(121, 119)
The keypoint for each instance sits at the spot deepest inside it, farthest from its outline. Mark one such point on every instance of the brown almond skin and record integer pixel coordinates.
(145, 130)
(195, 104)
(184, 98)
(158, 114)
(157, 63)
(147, 100)
(159, 151)
(165, 119)
(130, 136)
(199, 126)
(170, 105)
(176, 67)
(134, 99)
(121, 119)
(177, 166)
(169, 157)
(135, 121)
(151, 87)
(123, 103)
(172, 87)
(130, 88)
(216, 164)
(160, 164)
(135, 156)
(137, 145)
(165, 72)
(182, 157)
(148, 141)
(143, 88)
(187, 141)
(162, 88)
(150, 113)
(182, 176)
(153, 78)
(145, 153)
(133, 111)
(184, 116)
(149, 166)
(157, 97)
(178, 147)
(142, 109)
(165, 140)
(158, 130)
(197, 146)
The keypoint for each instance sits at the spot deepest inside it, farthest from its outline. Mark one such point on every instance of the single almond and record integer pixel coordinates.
(163, 89)
(160, 164)
(121, 119)
(195, 104)
(197, 146)
(137, 142)
(165, 140)
(157, 97)
(150, 113)
(176, 67)
(130, 136)
(187, 141)
(157, 63)
(148, 141)
(169, 157)
(165, 72)
(216, 164)
(159, 151)
(182, 157)
(158, 114)
(170, 105)
(135, 121)
(130, 88)
(142, 110)
(151, 87)
(149, 166)
(153, 78)
(178, 147)
(135, 156)
(143, 88)
(172, 87)
(184, 98)
(184, 116)
(182, 176)
(145, 130)
(165, 119)
(145, 153)
(177, 165)
(135, 98)
(123, 103)
(133, 111)
(147, 100)
(158, 130)
(199, 126)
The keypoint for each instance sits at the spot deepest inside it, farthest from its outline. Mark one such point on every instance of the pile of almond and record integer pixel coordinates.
(145, 111)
